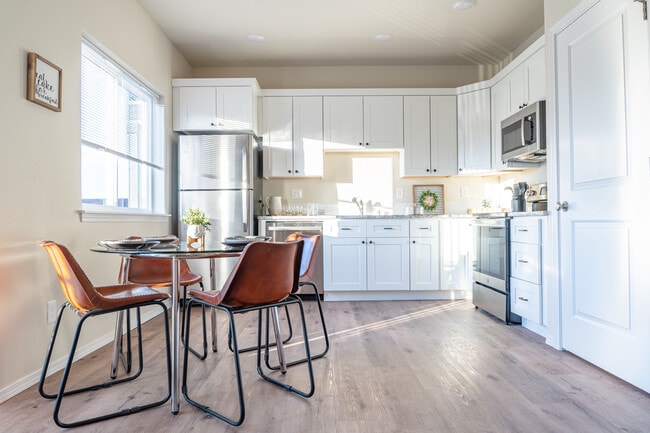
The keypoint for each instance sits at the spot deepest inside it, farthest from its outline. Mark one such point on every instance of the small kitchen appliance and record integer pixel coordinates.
(536, 199)
(523, 135)
(518, 203)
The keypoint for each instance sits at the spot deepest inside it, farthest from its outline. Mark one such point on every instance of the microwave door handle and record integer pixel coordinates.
(523, 132)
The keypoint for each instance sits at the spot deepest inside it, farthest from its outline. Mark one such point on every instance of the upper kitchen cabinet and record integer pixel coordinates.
(474, 140)
(363, 122)
(215, 104)
(519, 87)
(293, 136)
(430, 136)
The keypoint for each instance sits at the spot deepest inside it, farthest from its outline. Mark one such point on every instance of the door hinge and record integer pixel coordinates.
(645, 8)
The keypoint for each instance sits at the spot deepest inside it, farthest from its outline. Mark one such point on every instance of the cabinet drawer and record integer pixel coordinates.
(525, 262)
(526, 230)
(525, 299)
(387, 228)
(345, 228)
(423, 228)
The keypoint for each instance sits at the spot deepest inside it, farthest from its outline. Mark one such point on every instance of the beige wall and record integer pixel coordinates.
(39, 168)
(554, 10)
(353, 77)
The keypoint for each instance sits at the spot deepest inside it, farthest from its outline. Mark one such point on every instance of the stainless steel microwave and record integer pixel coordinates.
(523, 135)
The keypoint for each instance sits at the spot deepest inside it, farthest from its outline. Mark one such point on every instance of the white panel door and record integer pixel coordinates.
(344, 264)
(416, 159)
(602, 153)
(424, 262)
(343, 122)
(235, 107)
(383, 122)
(444, 135)
(388, 263)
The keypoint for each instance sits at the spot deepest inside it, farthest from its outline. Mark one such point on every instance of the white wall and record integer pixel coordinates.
(40, 163)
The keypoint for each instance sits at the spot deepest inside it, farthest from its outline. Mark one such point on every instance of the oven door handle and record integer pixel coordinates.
(294, 228)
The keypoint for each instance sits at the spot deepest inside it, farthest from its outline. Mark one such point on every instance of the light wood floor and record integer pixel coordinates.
(393, 367)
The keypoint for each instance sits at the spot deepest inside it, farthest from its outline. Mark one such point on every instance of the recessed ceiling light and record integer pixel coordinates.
(258, 39)
(383, 37)
(463, 5)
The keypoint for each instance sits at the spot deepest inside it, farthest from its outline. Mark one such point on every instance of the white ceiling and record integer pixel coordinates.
(213, 33)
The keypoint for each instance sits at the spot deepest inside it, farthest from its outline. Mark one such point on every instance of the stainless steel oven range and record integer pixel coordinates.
(491, 276)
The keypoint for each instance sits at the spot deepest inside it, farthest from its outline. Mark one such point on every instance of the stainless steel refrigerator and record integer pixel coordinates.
(220, 174)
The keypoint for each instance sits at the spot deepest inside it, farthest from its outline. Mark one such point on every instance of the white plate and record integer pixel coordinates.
(128, 244)
(165, 239)
(244, 240)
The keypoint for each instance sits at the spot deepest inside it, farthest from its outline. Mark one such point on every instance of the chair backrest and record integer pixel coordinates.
(266, 272)
(308, 253)
(158, 272)
(78, 289)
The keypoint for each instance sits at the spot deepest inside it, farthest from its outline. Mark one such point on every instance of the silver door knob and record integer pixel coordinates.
(564, 206)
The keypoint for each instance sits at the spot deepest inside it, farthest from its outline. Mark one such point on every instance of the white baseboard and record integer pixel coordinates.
(58, 364)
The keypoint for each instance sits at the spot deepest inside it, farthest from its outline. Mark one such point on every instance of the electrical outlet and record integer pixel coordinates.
(296, 193)
(464, 192)
(51, 311)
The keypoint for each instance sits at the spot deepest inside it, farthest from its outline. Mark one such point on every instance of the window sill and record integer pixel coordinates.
(98, 216)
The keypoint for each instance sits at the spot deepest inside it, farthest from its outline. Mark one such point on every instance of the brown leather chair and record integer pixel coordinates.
(87, 301)
(265, 276)
(157, 274)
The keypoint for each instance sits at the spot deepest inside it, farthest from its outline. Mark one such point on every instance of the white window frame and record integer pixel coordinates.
(142, 163)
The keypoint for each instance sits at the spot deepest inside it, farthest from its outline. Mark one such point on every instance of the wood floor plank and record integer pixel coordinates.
(415, 367)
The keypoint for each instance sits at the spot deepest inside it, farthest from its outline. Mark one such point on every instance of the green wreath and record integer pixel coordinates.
(429, 200)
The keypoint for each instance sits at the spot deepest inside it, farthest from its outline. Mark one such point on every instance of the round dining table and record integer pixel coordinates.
(210, 250)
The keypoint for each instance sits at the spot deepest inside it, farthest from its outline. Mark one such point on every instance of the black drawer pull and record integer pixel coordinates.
(521, 298)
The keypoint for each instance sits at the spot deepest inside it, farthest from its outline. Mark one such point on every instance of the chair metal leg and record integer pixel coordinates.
(240, 390)
(325, 334)
(203, 355)
(284, 341)
(310, 391)
(278, 338)
(62, 392)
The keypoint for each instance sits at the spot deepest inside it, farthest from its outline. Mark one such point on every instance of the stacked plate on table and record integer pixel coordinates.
(240, 241)
(140, 243)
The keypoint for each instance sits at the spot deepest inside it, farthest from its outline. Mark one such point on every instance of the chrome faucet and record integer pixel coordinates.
(359, 204)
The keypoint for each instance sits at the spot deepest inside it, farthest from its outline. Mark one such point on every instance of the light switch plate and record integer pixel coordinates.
(399, 192)
(296, 193)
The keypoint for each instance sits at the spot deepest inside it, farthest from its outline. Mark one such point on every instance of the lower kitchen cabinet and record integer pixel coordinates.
(526, 269)
(424, 254)
(362, 255)
(456, 245)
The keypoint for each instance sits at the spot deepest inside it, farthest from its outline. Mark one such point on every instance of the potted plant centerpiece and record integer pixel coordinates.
(197, 224)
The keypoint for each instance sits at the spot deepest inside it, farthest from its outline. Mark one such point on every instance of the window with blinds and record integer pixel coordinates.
(122, 145)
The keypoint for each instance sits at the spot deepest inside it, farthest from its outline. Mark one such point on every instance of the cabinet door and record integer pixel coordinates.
(517, 90)
(444, 135)
(343, 122)
(455, 254)
(534, 70)
(416, 158)
(235, 107)
(474, 146)
(196, 109)
(383, 122)
(344, 264)
(388, 264)
(277, 144)
(308, 136)
(424, 260)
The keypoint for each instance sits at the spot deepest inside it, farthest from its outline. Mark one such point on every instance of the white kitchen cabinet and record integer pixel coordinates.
(363, 122)
(474, 134)
(526, 267)
(456, 245)
(424, 254)
(293, 136)
(523, 86)
(430, 136)
(361, 255)
(213, 108)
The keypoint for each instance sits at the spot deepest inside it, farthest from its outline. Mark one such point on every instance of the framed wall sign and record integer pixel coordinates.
(430, 198)
(43, 82)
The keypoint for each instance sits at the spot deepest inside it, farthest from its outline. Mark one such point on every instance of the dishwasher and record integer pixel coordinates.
(278, 228)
